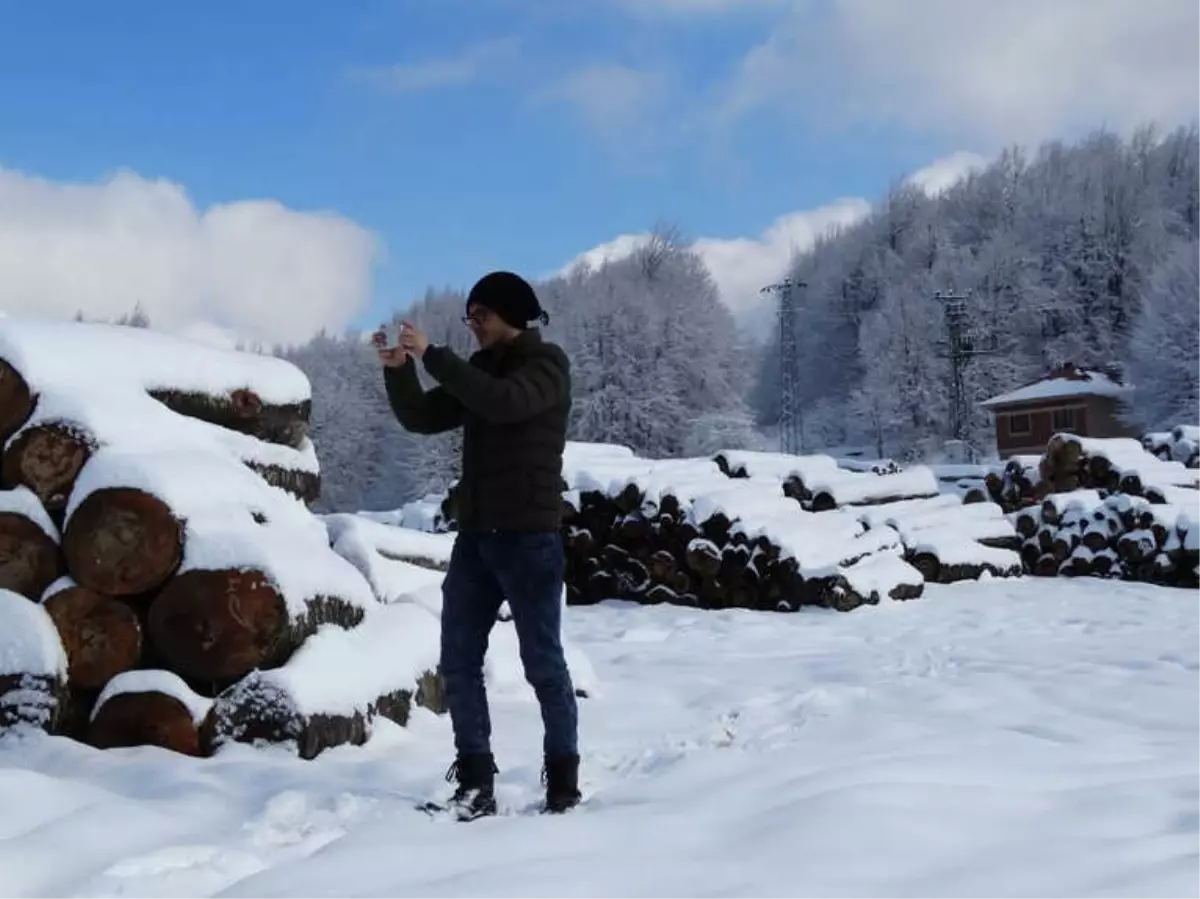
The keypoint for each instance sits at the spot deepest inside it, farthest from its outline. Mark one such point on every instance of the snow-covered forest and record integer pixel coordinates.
(1083, 252)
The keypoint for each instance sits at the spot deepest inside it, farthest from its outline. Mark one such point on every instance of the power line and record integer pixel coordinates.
(962, 344)
(791, 422)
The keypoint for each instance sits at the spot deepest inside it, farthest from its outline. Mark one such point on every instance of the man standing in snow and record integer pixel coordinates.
(511, 399)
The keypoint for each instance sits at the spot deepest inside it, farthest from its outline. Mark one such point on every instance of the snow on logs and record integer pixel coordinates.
(150, 707)
(378, 667)
(819, 483)
(1082, 533)
(69, 388)
(33, 666)
(1180, 444)
(242, 572)
(158, 559)
(747, 530)
(1116, 465)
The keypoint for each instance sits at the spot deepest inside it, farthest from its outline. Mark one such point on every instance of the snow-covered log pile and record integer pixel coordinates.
(949, 539)
(820, 482)
(154, 519)
(1117, 535)
(1180, 444)
(1111, 465)
(681, 531)
(1017, 485)
(1114, 465)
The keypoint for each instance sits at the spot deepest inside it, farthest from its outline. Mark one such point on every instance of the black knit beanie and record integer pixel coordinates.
(510, 297)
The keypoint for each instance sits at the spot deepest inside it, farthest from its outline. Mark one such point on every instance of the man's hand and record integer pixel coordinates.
(413, 341)
(391, 357)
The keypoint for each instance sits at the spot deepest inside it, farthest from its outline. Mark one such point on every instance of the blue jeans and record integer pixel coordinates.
(527, 569)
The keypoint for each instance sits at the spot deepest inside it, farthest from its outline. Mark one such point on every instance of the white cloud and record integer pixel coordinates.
(741, 266)
(1020, 70)
(946, 172)
(614, 101)
(252, 269)
(447, 71)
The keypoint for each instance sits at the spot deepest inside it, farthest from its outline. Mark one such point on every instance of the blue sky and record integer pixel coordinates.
(466, 135)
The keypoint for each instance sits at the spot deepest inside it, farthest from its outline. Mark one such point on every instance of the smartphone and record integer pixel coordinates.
(391, 334)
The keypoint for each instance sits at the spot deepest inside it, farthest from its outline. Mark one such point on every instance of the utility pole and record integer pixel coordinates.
(961, 345)
(791, 421)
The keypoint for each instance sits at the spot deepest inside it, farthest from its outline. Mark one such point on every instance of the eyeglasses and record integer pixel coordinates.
(477, 318)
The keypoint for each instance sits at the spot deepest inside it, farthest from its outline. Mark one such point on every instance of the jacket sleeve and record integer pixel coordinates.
(539, 384)
(419, 411)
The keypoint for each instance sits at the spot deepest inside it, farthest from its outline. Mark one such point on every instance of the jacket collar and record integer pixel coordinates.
(519, 345)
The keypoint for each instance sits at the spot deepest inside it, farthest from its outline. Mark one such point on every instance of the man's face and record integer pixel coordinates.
(488, 328)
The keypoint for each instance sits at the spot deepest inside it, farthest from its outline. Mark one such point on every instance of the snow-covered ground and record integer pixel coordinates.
(1032, 737)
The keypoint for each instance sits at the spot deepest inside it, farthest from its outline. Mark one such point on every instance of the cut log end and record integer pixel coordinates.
(102, 636)
(929, 565)
(122, 541)
(16, 401)
(144, 719)
(217, 625)
(29, 559)
(47, 459)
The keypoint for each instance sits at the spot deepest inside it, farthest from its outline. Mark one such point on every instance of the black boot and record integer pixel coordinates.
(561, 776)
(475, 795)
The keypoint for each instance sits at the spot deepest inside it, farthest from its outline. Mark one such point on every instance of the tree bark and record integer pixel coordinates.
(102, 636)
(47, 459)
(256, 709)
(304, 485)
(242, 410)
(215, 626)
(149, 718)
(30, 561)
(122, 541)
(824, 501)
(32, 700)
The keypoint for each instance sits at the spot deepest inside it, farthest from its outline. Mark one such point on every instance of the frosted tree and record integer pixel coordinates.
(653, 349)
(904, 390)
(367, 460)
(1164, 358)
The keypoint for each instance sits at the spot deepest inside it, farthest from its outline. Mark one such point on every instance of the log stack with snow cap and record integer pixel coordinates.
(155, 528)
(769, 531)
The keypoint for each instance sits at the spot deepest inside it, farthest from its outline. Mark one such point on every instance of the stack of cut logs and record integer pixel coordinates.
(154, 650)
(1118, 536)
(1067, 466)
(626, 547)
(657, 549)
(1013, 488)
(1088, 515)
(1180, 444)
(818, 500)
